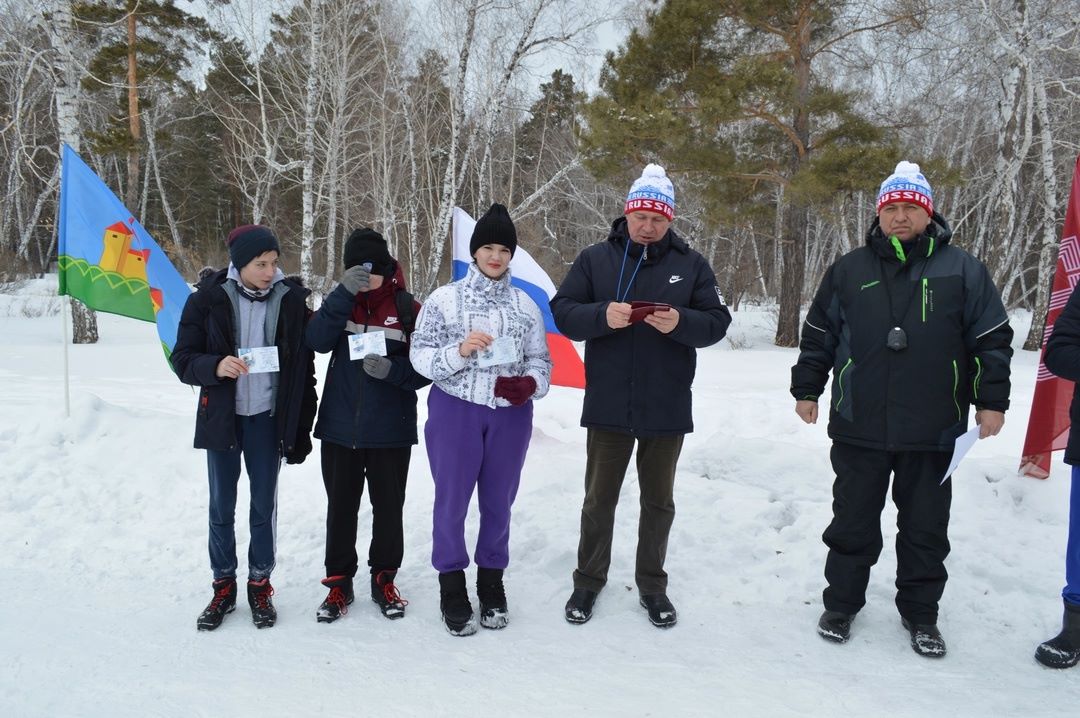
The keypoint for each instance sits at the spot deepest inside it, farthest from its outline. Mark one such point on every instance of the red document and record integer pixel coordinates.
(639, 310)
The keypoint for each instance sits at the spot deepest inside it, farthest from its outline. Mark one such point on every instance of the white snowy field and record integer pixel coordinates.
(104, 566)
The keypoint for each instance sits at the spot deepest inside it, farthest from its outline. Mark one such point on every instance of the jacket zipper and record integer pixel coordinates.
(360, 376)
(924, 283)
(955, 387)
(840, 381)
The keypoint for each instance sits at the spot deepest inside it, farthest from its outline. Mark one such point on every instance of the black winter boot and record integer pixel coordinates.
(926, 639)
(262, 608)
(223, 602)
(1063, 650)
(457, 612)
(579, 606)
(492, 597)
(337, 601)
(661, 613)
(835, 626)
(385, 594)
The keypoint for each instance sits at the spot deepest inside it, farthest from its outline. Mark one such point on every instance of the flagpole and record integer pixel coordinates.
(63, 340)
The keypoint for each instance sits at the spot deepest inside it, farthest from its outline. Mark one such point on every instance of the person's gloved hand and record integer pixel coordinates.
(377, 367)
(356, 279)
(300, 449)
(515, 389)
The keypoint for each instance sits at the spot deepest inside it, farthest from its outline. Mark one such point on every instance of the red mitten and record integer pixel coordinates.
(515, 389)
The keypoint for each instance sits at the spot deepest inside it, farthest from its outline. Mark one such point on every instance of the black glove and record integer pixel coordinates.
(356, 279)
(377, 367)
(299, 451)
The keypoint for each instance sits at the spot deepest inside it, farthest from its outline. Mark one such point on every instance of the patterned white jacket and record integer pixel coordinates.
(476, 302)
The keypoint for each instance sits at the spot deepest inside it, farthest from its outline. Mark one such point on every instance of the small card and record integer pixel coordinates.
(373, 342)
(501, 351)
(640, 310)
(259, 360)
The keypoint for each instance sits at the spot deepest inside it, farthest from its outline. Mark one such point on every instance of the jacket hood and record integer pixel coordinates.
(212, 277)
(938, 228)
(936, 235)
(619, 235)
(393, 283)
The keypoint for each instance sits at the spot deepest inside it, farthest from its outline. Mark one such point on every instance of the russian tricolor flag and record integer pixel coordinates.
(526, 275)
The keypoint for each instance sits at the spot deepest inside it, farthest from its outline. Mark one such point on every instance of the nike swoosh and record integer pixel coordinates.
(674, 279)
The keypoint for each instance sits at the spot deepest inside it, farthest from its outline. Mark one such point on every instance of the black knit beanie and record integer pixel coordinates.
(367, 245)
(248, 241)
(495, 227)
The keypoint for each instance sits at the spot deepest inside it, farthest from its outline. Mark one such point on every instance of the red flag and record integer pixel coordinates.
(1048, 426)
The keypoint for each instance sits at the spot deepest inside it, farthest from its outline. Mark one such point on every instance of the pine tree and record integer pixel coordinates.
(736, 94)
(144, 48)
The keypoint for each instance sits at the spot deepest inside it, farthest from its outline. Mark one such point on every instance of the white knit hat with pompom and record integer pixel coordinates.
(652, 192)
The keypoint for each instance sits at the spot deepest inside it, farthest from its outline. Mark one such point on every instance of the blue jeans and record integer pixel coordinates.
(1071, 592)
(256, 438)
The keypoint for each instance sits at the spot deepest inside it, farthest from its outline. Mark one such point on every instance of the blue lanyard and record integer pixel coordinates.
(622, 267)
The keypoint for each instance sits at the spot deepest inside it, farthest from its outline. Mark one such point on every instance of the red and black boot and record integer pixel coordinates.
(385, 594)
(263, 613)
(223, 602)
(337, 601)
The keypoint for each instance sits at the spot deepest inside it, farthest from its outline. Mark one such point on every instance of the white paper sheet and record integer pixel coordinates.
(964, 442)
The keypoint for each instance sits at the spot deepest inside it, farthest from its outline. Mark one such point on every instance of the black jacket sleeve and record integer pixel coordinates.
(706, 320)
(817, 346)
(402, 374)
(988, 337)
(301, 445)
(326, 325)
(1063, 348)
(190, 360)
(577, 314)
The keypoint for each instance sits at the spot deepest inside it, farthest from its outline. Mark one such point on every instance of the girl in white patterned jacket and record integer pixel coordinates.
(483, 344)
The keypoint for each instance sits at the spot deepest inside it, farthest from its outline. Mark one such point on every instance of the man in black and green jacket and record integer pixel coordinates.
(914, 332)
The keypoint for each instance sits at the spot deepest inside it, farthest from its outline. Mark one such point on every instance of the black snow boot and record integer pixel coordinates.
(579, 606)
(492, 596)
(835, 626)
(337, 601)
(1063, 650)
(262, 608)
(223, 602)
(385, 594)
(926, 639)
(661, 612)
(457, 612)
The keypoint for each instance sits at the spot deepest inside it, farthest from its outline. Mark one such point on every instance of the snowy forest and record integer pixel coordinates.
(775, 119)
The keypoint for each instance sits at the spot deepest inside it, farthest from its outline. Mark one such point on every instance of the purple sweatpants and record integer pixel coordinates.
(471, 446)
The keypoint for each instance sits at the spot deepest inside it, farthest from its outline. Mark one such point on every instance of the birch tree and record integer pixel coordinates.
(59, 20)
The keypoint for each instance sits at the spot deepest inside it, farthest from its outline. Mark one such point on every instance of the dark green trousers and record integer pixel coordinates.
(608, 455)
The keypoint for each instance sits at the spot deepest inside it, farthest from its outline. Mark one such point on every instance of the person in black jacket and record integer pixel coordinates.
(1063, 359)
(914, 332)
(639, 368)
(240, 340)
(367, 420)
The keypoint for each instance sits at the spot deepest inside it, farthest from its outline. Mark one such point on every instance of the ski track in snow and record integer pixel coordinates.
(104, 568)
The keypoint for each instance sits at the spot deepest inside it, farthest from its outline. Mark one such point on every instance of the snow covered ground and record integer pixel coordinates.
(104, 566)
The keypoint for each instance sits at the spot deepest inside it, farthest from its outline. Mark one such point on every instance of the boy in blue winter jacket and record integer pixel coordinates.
(367, 419)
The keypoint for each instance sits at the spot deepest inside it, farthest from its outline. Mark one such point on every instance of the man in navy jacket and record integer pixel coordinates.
(639, 368)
